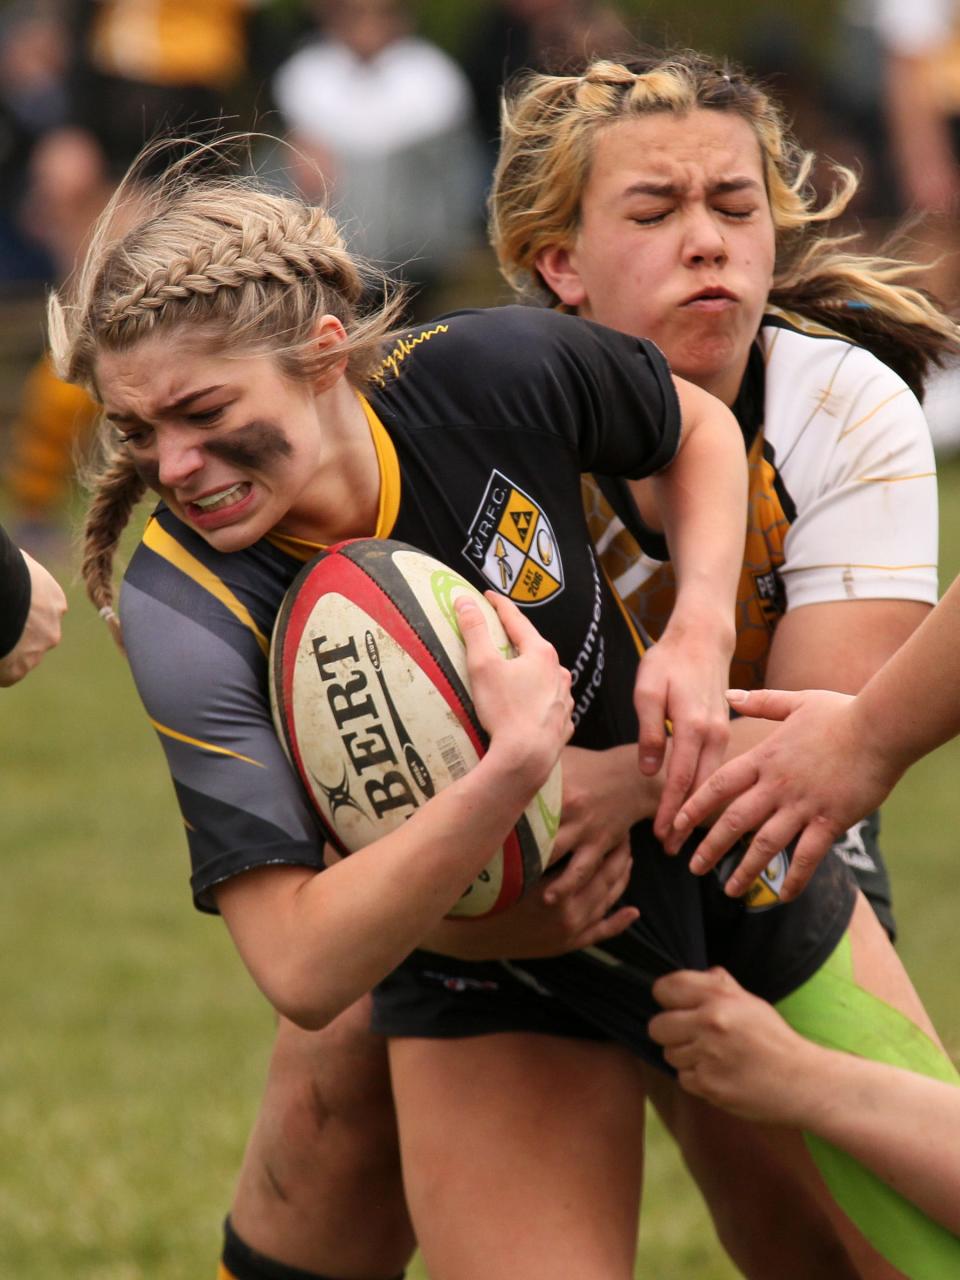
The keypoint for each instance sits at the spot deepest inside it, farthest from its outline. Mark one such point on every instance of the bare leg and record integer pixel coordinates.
(772, 1226)
(522, 1154)
(320, 1185)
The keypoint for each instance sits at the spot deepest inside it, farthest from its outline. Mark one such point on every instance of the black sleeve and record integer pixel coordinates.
(626, 415)
(14, 593)
(608, 396)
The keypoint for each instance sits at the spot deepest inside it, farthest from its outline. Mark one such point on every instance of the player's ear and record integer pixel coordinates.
(558, 268)
(328, 334)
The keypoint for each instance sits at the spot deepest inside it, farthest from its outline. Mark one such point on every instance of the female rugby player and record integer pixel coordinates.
(665, 199)
(239, 383)
(840, 569)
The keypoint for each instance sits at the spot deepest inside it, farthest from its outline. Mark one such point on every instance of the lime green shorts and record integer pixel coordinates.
(832, 1010)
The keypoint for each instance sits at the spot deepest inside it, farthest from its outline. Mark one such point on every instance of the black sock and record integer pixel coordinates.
(240, 1262)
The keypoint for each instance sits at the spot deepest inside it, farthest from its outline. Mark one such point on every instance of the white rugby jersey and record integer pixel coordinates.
(843, 492)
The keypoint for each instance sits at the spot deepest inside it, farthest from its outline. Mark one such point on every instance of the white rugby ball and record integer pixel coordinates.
(371, 700)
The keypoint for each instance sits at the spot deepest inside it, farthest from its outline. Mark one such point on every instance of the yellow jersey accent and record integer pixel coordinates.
(160, 542)
(300, 548)
(637, 638)
(758, 608)
(402, 348)
(803, 324)
(867, 416)
(885, 568)
(389, 505)
(920, 475)
(204, 746)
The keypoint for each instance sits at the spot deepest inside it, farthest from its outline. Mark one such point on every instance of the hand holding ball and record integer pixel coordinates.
(371, 696)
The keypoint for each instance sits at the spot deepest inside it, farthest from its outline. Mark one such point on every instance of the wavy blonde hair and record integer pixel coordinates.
(245, 269)
(549, 127)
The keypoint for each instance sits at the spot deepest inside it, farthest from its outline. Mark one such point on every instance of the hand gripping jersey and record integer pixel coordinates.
(483, 423)
(842, 506)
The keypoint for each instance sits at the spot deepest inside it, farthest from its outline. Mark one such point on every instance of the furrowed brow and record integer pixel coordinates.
(729, 186)
(180, 403)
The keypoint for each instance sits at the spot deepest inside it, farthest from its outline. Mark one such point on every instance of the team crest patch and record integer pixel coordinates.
(765, 890)
(512, 544)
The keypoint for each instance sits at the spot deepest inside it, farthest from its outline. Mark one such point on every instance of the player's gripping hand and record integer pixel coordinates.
(682, 679)
(727, 1046)
(534, 929)
(815, 776)
(41, 632)
(603, 796)
(524, 703)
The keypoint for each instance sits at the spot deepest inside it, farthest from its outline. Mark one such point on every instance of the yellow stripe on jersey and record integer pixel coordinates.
(637, 638)
(867, 416)
(886, 568)
(804, 325)
(160, 542)
(759, 603)
(773, 343)
(204, 746)
(389, 505)
(920, 475)
(299, 548)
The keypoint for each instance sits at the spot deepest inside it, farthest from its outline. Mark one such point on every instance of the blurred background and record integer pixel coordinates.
(133, 1044)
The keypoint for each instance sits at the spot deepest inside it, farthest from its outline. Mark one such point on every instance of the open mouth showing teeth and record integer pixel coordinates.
(217, 501)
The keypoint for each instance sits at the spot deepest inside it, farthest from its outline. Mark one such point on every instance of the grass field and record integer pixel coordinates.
(133, 1044)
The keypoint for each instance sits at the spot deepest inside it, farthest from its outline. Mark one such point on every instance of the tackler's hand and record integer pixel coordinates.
(813, 777)
(682, 680)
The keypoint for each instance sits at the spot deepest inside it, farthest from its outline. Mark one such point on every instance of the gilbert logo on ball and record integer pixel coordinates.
(371, 701)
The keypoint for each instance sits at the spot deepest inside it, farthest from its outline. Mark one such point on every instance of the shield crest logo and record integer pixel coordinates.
(513, 545)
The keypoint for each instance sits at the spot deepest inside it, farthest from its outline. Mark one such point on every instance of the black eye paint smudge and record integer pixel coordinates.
(253, 446)
(149, 473)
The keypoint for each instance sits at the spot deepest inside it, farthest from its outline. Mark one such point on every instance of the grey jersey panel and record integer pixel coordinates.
(236, 789)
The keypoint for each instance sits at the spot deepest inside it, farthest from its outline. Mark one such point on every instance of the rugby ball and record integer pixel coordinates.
(371, 701)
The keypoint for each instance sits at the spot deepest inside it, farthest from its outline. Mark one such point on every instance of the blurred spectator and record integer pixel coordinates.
(921, 41)
(922, 44)
(137, 69)
(33, 61)
(539, 35)
(51, 418)
(854, 99)
(384, 121)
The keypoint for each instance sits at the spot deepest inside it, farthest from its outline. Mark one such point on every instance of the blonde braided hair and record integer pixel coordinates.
(250, 270)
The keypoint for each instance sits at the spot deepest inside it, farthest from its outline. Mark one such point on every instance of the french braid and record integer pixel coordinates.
(245, 267)
(118, 490)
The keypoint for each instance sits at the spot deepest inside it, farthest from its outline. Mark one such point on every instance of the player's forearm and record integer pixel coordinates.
(902, 1126)
(912, 704)
(353, 923)
(702, 501)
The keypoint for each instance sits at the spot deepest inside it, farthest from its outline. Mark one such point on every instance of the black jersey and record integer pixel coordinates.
(483, 422)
